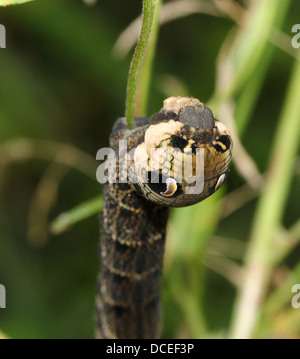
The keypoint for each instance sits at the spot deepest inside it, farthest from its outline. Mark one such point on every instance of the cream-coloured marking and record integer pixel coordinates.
(175, 104)
(171, 187)
(220, 181)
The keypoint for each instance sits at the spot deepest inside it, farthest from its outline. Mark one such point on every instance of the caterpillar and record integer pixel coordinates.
(136, 210)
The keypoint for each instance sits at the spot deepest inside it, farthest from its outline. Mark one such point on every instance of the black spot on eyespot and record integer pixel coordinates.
(225, 140)
(157, 183)
(178, 142)
(219, 148)
(223, 144)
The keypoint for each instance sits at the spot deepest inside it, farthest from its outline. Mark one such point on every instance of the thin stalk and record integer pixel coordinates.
(137, 60)
(279, 298)
(251, 91)
(249, 47)
(188, 303)
(75, 215)
(259, 260)
(3, 336)
(146, 70)
(12, 2)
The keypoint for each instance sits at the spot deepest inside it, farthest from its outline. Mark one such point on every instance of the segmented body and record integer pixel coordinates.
(134, 216)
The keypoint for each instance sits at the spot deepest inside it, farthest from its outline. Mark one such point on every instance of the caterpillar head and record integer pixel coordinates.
(185, 155)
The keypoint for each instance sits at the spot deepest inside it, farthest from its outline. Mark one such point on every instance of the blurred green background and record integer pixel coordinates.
(62, 88)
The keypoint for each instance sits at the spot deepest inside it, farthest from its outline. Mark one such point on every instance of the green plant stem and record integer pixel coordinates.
(184, 270)
(83, 211)
(188, 302)
(249, 95)
(278, 299)
(146, 70)
(3, 336)
(259, 259)
(137, 60)
(249, 47)
(12, 2)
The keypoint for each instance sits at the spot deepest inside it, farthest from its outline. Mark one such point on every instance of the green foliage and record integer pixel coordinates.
(137, 60)
(12, 2)
(62, 89)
